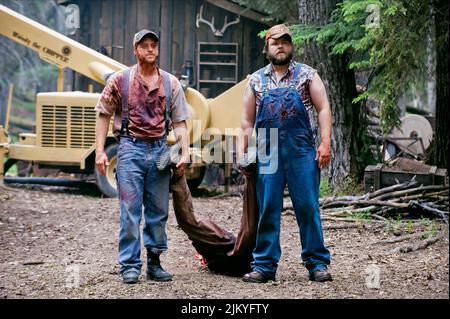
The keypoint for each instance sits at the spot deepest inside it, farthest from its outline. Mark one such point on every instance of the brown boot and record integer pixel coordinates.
(321, 275)
(257, 277)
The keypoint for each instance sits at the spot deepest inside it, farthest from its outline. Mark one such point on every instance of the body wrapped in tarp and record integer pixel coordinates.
(224, 252)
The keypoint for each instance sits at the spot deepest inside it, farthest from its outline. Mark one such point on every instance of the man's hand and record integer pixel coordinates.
(246, 171)
(180, 130)
(181, 166)
(101, 161)
(244, 166)
(323, 154)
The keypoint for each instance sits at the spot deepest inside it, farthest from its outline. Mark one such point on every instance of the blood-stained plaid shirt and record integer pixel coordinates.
(302, 85)
(146, 104)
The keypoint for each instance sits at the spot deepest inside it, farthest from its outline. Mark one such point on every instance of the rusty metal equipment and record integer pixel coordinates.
(65, 121)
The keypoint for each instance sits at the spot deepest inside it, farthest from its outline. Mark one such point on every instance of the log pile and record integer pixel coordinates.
(430, 201)
(409, 201)
(404, 199)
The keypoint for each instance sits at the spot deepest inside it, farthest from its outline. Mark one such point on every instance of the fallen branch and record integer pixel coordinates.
(409, 191)
(370, 202)
(445, 192)
(34, 262)
(350, 210)
(398, 239)
(328, 227)
(331, 199)
(420, 245)
(379, 217)
(390, 189)
(437, 212)
(337, 210)
(407, 198)
(350, 220)
(228, 194)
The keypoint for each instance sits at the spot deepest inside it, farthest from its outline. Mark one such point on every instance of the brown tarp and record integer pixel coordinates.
(224, 253)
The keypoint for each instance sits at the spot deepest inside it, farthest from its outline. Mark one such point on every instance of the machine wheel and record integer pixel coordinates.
(107, 183)
(24, 168)
(8, 164)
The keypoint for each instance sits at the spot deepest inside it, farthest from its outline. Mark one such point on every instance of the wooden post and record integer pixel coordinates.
(377, 177)
(432, 172)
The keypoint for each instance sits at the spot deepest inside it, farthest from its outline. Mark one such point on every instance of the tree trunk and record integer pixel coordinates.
(441, 138)
(341, 88)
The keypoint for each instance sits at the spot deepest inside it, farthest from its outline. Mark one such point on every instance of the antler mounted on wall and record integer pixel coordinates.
(216, 32)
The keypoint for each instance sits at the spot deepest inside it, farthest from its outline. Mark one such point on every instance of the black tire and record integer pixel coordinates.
(107, 184)
(8, 164)
(24, 168)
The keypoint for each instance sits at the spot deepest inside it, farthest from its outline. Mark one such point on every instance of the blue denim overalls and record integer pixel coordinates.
(292, 161)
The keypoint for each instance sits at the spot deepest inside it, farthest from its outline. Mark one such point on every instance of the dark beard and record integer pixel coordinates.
(284, 61)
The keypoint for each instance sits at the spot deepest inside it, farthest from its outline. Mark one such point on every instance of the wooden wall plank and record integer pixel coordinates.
(94, 39)
(154, 16)
(106, 25)
(143, 14)
(165, 38)
(244, 50)
(114, 22)
(190, 38)
(130, 22)
(178, 40)
(94, 25)
(118, 30)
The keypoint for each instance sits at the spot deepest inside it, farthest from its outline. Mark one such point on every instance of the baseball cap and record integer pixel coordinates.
(143, 33)
(277, 31)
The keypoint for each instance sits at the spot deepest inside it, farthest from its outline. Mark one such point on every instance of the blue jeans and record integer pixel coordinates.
(298, 168)
(140, 184)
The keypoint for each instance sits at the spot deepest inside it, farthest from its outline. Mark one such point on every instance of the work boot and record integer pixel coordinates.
(321, 275)
(154, 270)
(257, 277)
(130, 276)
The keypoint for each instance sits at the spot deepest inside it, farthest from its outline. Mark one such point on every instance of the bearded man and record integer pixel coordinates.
(281, 97)
(146, 102)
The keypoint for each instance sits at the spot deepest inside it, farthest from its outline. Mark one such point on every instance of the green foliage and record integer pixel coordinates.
(12, 171)
(361, 215)
(410, 226)
(431, 229)
(23, 67)
(279, 10)
(324, 189)
(389, 37)
(394, 226)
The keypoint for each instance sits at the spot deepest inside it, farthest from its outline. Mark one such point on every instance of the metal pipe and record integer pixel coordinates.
(8, 106)
(46, 181)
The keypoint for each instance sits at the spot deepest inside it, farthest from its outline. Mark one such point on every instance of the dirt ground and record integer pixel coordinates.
(61, 242)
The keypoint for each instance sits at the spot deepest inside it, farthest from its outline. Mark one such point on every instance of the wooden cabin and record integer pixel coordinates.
(215, 42)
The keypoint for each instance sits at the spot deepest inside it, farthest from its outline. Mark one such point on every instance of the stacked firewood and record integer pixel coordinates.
(406, 198)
